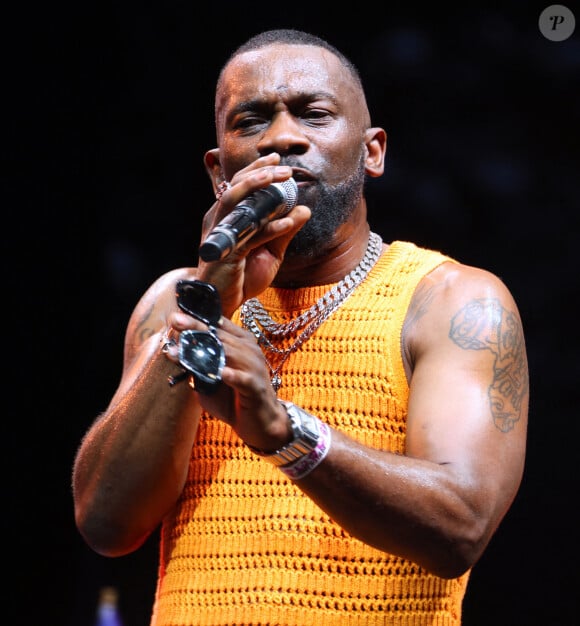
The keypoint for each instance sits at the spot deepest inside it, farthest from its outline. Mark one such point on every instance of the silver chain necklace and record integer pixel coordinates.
(256, 319)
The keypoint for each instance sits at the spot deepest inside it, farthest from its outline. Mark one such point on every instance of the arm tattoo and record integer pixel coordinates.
(143, 329)
(484, 324)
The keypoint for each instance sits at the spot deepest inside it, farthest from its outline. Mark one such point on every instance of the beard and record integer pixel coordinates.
(331, 207)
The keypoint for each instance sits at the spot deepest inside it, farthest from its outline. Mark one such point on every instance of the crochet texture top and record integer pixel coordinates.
(244, 546)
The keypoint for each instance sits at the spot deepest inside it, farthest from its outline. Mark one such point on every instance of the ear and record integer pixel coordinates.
(376, 142)
(213, 167)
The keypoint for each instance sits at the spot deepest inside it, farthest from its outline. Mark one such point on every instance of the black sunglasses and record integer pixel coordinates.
(201, 353)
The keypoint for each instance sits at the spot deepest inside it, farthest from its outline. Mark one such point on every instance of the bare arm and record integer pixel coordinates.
(132, 464)
(440, 503)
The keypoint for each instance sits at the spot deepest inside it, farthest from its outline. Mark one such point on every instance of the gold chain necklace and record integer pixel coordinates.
(256, 319)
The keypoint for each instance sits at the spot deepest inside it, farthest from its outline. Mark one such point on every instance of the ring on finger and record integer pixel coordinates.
(168, 341)
(222, 188)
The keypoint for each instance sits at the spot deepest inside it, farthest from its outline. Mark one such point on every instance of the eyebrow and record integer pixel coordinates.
(259, 103)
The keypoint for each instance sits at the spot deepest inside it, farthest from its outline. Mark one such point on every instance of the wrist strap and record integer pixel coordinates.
(307, 449)
(303, 467)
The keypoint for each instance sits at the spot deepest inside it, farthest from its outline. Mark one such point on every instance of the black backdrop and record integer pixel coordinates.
(108, 108)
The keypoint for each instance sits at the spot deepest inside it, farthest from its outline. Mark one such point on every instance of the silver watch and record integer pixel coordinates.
(306, 432)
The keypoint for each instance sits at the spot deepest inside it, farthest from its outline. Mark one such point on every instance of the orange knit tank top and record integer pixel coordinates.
(244, 546)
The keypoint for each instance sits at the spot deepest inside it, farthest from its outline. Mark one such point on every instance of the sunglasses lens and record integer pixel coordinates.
(202, 354)
(199, 299)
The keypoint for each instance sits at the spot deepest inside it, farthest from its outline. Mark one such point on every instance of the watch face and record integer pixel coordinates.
(304, 425)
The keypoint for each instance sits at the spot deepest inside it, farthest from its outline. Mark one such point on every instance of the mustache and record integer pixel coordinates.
(292, 162)
(301, 171)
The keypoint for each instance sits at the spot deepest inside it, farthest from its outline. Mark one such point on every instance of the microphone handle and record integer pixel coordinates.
(244, 221)
(237, 228)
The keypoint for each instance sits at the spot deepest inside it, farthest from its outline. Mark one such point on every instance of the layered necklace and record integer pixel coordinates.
(267, 331)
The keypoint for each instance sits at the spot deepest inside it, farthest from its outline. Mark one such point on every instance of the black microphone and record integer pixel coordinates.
(248, 216)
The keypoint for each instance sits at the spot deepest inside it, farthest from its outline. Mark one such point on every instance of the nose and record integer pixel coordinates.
(283, 135)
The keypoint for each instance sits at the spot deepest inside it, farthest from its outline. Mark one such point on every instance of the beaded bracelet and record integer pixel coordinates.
(303, 466)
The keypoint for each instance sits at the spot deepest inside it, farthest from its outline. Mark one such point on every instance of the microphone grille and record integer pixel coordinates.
(289, 189)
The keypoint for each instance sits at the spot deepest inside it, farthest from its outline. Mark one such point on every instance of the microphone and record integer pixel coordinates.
(249, 216)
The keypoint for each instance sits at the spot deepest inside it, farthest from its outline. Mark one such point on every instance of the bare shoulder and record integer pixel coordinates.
(454, 287)
(452, 282)
(465, 307)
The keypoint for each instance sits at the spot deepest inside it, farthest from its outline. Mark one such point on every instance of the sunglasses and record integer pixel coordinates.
(201, 353)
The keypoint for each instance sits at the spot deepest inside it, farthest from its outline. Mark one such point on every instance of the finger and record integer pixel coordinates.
(245, 182)
(242, 185)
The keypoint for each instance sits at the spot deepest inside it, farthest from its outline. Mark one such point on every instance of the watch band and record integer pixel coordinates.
(306, 431)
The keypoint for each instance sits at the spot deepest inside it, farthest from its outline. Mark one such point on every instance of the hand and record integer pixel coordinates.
(245, 398)
(248, 270)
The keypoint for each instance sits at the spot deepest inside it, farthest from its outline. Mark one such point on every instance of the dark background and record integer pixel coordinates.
(107, 110)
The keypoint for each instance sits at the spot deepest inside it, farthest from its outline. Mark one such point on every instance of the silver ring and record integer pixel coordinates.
(167, 341)
(222, 188)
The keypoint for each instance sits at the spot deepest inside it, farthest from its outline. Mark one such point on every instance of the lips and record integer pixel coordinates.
(302, 176)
